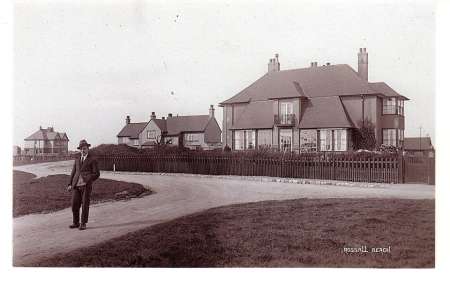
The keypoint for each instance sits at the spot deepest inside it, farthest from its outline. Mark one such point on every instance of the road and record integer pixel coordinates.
(38, 236)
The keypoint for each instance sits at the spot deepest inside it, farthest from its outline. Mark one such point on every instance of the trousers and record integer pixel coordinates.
(81, 198)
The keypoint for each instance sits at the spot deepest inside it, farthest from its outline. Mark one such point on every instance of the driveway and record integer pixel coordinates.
(38, 236)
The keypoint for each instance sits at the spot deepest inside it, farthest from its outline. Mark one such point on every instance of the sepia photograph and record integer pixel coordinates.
(223, 134)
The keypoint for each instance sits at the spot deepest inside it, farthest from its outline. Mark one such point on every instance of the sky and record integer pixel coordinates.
(82, 66)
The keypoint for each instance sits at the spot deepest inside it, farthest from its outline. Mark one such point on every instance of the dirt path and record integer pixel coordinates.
(42, 235)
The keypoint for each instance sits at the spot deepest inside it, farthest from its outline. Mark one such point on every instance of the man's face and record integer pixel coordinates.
(84, 150)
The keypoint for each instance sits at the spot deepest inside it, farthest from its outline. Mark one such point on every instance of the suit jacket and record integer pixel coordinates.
(88, 170)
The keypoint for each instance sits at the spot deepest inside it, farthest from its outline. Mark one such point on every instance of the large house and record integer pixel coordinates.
(46, 141)
(312, 109)
(193, 132)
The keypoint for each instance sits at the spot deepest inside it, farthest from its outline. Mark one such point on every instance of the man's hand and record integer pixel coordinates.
(69, 188)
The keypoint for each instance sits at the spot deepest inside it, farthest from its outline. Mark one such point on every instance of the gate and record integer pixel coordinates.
(418, 169)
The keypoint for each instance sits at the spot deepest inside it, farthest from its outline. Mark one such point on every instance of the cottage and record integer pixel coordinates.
(46, 141)
(419, 146)
(312, 109)
(193, 132)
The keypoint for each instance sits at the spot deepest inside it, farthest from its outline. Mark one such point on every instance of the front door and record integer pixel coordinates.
(286, 140)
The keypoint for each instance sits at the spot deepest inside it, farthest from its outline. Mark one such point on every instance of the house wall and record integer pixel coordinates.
(123, 140)
(226, 124)
(174, 140)
(198, 140)
(149, 127)
(212, 132)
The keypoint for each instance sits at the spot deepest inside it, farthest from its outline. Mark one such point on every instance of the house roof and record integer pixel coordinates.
(177, 124)
(383, 88)
(132, 130)
(161, 123)
(417, 143)
(255, 115)
(325, 112)
(324, 81)
(47, 134)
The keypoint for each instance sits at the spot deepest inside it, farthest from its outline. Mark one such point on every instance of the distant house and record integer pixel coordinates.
(16, 150)
(46, 141)
(193, 132)
(317, 108)
(419, 146)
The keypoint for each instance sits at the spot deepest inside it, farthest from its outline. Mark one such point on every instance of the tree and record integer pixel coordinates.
(364, 136)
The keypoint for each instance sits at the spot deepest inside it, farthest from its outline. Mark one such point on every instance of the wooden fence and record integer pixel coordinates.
(336, 167)
(25, 159)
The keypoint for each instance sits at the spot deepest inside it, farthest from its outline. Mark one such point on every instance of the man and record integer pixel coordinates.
(84, 173)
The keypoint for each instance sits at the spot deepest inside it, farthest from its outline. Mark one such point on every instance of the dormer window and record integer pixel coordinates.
(392, 106)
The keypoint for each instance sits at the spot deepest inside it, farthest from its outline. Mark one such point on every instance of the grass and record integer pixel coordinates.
(292, 233)
(47, 194)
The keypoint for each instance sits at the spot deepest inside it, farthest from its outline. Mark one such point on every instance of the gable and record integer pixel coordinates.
(324, 112)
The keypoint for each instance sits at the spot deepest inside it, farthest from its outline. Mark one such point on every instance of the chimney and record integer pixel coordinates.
(153, 115)
(328, 64)
(211, 111)
(40, 127)
(163, 118)
(127, 120)
(274, 64)
(313, 64)
(169, 115)
(363, 64)
(50, 129)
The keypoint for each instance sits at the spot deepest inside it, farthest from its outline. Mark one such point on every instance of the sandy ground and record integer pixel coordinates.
(39, 236)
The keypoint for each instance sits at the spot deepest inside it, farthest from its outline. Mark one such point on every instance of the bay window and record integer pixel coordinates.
(244, 139)
(393, 106)
(326, 140)
(340, 139)
(390, 137)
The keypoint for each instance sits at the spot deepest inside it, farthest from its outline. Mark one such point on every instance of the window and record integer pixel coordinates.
(136, 142)
(340, 139)
(286, 139)
(250, 139)
(239, 140)
(264, 138)
(191, 137)
(308, 140)
(401, 137)
(389, 106)
(151, 134)
(393, 106)
(400, 107)
(326, 140)
(244, 139)
(286, 111)
(390, 137)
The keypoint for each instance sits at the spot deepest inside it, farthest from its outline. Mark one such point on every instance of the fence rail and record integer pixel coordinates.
(345, 168)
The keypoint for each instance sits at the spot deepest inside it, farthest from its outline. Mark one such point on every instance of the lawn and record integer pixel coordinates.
(47, 194)
(291, 233)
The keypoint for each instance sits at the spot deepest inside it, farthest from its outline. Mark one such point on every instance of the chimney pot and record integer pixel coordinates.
(274, 65)
(211, 111)
(169, 115)
(328, 64)
(363, 64)
(127, 120)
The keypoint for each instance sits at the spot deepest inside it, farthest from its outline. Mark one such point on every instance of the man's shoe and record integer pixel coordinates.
(83, 226)
(75, 225)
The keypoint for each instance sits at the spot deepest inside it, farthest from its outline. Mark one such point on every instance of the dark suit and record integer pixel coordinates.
(81, 196)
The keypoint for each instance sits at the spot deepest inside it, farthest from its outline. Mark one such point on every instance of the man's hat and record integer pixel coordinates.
(83, 143)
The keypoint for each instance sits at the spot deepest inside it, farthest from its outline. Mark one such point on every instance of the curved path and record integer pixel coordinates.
(38, 236)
